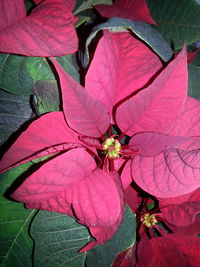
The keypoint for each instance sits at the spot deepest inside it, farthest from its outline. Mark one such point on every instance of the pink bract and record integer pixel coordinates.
(47, 31)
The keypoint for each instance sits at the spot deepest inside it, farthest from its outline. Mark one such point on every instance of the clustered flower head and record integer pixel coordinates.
(130, 127)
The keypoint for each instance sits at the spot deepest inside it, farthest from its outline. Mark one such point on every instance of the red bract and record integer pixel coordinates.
(47, 31)
(122, 86)
(136, 10)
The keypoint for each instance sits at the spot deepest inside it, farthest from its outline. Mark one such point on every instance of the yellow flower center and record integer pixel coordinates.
(113, 147)
(148, 220)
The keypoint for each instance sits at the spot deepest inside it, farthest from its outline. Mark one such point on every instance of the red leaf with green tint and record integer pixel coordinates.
(136, 10)
(120, 66)
(46, 135)
(83, 113)
(47, 31)
(149, 109)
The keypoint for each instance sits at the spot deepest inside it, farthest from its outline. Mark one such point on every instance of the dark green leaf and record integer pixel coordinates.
(194, 81)
(14, 76)
(89, 4)
(144, 31)
(14, 111)
(178, 21)
(16, 245)
(58, 238)
(104, 255)
(38, 68)
(68, 63)
(46, 96)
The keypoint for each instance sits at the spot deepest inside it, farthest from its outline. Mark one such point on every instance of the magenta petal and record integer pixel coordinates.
(166, 253)
(71, 182)
(39, 139)
(149, 109)
(42, 188)
(121, 65)
(136, 10)
(10, 12)
(190, 229)
(181, 210)
(169, 174)
(189, 246)
(104, 233)
(188, 123)
(47, 31)
(83, 113)
(151, 144)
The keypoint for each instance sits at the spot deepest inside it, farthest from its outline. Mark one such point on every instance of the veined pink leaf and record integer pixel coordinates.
(149, 109)
(10, 12)
(39, 139)
(72, 180)
(151, 144)
(126, 175)
(136, 10)
(120, 66)
(179, 212)
(83, 113)
(102, 234)
(47, 31)
(168, 174)
(187, 123)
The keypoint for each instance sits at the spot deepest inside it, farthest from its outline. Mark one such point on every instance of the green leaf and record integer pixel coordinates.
(68, 63)
(58, 238)
(104, 255)
(89, 4)
(14, 111)
(144, 31)
(46, 96)
(178, 21)
(194, 81)
(16, 245)
(38, 68)
(14, 76)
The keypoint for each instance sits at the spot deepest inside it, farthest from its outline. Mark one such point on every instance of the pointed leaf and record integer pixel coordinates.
(148, 109)
(47, 31)
(58, 238)
(69, 184)
(120, 66)
(136, 10)
(172, 173)
(104, 255)
(16, 245)
(46, 135)
(14, 111)
(83, 113)
(14, 76)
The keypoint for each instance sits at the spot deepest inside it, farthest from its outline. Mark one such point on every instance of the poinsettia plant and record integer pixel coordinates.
(103, 153)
